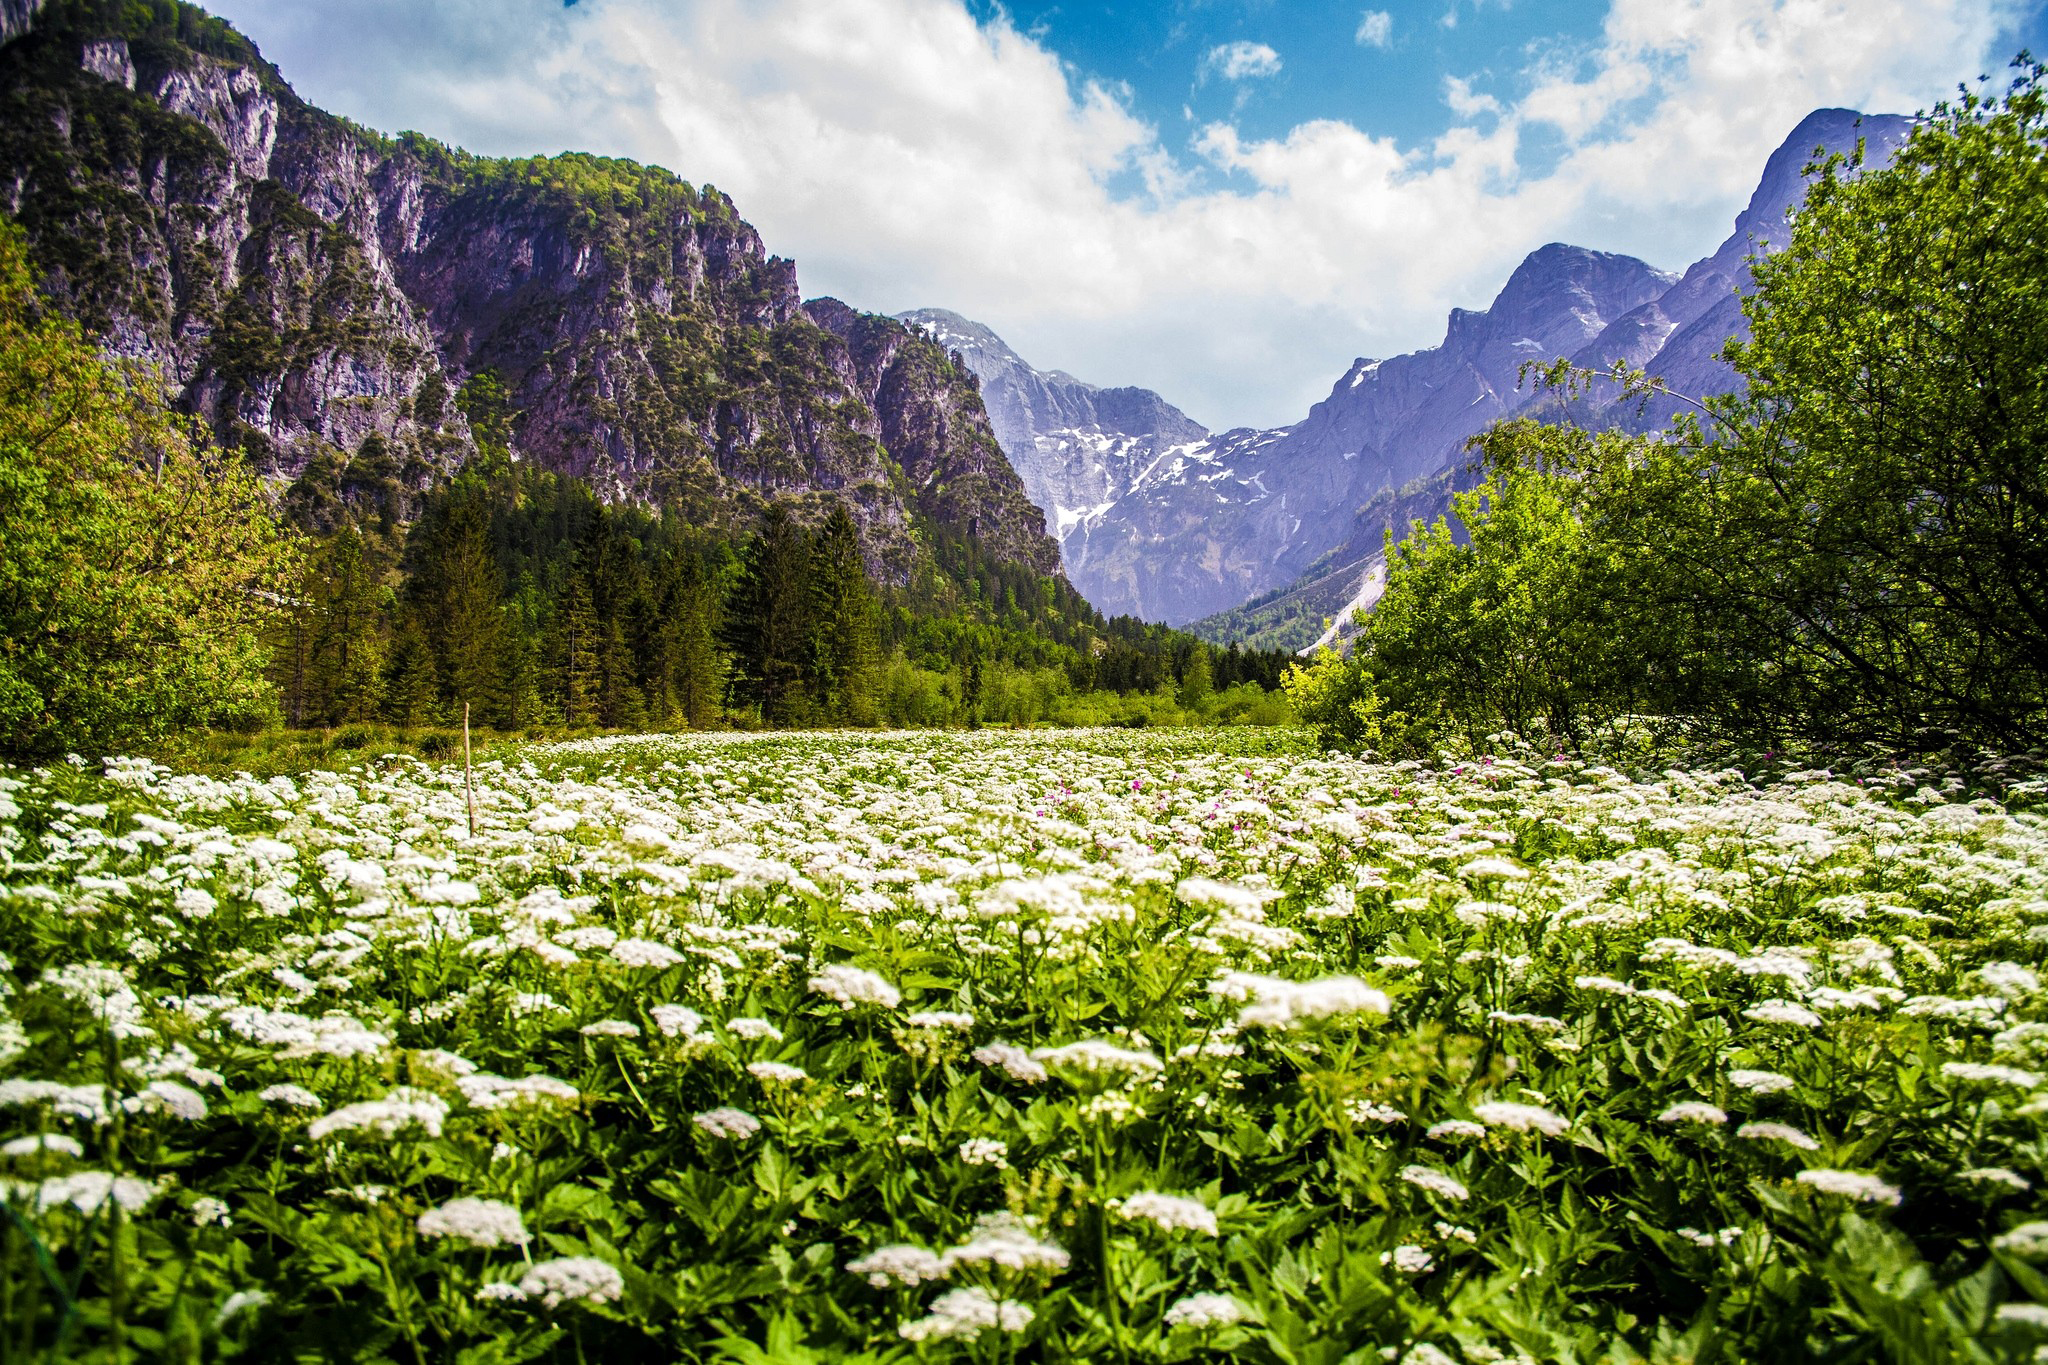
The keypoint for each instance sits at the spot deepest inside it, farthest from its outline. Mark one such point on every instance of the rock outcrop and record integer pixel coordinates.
(321, 295)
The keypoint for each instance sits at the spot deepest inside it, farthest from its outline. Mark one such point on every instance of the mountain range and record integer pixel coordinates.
(1160, 519)
(345, 306)
(341, 305)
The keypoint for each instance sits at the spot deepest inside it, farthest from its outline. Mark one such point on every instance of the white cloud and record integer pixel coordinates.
(1458, 95)
(906, 156)
(1375, 29)
(1241, 61)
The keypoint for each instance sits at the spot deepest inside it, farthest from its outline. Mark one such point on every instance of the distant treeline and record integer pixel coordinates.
(524, 595)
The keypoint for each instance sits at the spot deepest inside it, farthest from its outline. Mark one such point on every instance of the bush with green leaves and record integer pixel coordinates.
(137, 563)
(1855, 547)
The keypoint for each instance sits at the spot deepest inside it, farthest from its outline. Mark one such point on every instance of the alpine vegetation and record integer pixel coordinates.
(1106, 1045)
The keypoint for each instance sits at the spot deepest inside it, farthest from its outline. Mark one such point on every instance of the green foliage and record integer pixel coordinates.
(1855, 548)
(1186, 1046)
(137, 564)
(1335, 697)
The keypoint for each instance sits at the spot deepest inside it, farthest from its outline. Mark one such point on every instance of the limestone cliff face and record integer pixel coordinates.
(319, 294)
(1078, 448)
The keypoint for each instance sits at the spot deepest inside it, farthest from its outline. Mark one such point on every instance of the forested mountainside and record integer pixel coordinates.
(569, 447)
(320, 294)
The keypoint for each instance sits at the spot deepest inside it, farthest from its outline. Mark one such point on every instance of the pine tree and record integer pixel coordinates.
(1196, 680)
(699, 672)
(463, 589)
(522, 652)
(768, 628)
(844, 615)
(346, 655)
(578, 663)
(412, 684)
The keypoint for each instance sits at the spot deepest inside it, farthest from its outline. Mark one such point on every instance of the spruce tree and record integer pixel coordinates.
(844, 614)
(768, 628)
(578, 664)
(699, 669)
(347, 647)
(412, 684)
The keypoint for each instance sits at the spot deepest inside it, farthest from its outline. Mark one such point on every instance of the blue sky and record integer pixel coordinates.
(1222, 200)
(1390, 80)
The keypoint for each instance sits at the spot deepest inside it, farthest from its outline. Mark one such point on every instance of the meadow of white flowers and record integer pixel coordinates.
(1077, 1046)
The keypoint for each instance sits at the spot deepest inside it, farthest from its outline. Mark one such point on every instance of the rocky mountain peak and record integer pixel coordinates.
(333, 301)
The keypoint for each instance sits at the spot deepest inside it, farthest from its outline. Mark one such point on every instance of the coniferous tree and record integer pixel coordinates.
(522, 653)
(768, 628)
(699, 668)
(460, 591)
(346, 655)
(412, 684)
(578, 662)
(843, 611)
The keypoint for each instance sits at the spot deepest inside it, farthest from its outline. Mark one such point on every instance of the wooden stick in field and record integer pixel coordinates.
(468, 782)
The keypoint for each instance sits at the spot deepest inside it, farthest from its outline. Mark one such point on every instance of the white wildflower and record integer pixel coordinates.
(985, 1152)
(240, 1302)
(1778, 1132)
(1366, 1111)
(39, 1144)
(1783, 1012)
(1710, 1240)
(1014, 1061)
(572, 1279)
(1097, 1058)
(290, 1097)
(401, 1109)
(964, 1314)
(1409, 1259)
(676, 1021)
(1200, 1311)
(906, 1265)
(641, 952)
(1760, 1082)
(168, 1097)
(487, 1091)
(1455, 1130)
(1693, 1111)
(479, 1222)
(1991, 1074)
(940, 1019)
(1286, 1004)
(1522, 1118)
(2027, 1239)
(777, 1073)
(1863, 1189)
(851, 986)
(728, 1123)
(1436, 1182)
(1168, 1212)
(92, 1191)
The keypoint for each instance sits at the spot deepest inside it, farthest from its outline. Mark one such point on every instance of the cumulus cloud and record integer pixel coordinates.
(906, 155)
(1458, 94)
(1241, 61)
(1375, 29)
